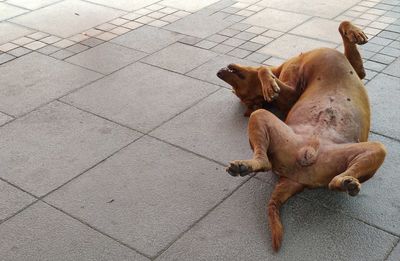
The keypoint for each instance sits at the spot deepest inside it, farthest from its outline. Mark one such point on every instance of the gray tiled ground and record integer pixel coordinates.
(4, 118)
(217, 126)
(168, 59)
(9, 31)
(8, 11)
(205, 25)
(67, 18)
(41, 227)
(322, 29)
(385, 119)
(290, 45)
(171, 190)
(106, 58)
(35, 79)
(326, 9)
(236, 231)
(190, 6)
(147, 39)
(277, 20)
(78, 182)
(32, 5)
(394, 68)
(127, 5)
(12, 200)
(50, 146)
(162, 95)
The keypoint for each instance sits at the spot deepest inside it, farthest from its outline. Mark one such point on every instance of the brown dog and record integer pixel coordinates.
(323, 141)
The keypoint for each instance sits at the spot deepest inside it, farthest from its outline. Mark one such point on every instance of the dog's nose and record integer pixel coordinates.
(219, 73)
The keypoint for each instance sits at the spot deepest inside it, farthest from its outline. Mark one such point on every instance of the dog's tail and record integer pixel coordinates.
(275, 225)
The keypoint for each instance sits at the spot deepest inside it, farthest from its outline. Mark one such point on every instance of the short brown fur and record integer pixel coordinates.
(323, 141)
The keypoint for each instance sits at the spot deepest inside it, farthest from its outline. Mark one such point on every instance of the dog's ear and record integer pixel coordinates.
(268, 84)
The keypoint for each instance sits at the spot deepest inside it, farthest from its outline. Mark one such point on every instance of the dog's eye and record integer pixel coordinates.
(239, 74)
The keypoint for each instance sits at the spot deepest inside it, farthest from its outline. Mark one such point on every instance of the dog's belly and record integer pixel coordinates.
(333, 106)
(335, 123)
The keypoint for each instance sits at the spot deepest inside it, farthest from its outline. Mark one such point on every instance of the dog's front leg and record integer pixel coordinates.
(284, 189)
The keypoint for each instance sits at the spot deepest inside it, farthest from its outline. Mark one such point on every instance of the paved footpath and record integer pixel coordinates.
(115, 131)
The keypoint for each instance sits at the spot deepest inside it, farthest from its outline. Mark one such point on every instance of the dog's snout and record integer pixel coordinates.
(220, 72)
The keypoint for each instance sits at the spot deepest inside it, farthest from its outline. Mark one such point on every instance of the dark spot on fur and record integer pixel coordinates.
(351, 72)
(319, 78)
(348, 99)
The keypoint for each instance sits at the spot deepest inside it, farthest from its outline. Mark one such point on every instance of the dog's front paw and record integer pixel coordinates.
(353, 33)
(269, 85)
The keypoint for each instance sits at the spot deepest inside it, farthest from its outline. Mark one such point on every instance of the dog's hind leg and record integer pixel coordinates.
(363, 160)
(268, 135)
(284, 189)
(352, 35)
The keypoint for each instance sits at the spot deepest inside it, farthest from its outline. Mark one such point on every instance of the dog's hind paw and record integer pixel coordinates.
(245, 167)
(346, 183)
(351, 185)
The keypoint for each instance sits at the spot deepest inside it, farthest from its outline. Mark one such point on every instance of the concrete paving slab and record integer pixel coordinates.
(395, 254)
(319, 28)
(67, 18)
(4, 118)
(44, 233)
(394, 68)
(237, 230)
(35, 79)
(12, 200)
(189, 6)
(106, 58)
(325, 9)
(147, 39)
(179, 57)
(208, 71)
(9, 32)
(200, 26)
(147, 194)
(8, 11)
(219, 131)
(385, 119)
(133, 96)
(50, 146)
(288, 46)
(127, 5)
(32, 5)
(277, 20)
(17, 52)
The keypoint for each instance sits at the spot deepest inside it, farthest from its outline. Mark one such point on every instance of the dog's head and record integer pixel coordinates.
(245, 82)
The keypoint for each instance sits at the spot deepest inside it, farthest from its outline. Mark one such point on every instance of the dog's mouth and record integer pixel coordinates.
(229, 69)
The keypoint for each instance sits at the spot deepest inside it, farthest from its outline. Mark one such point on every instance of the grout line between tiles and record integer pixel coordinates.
(200, 219)
(96, 229)
(391, 250)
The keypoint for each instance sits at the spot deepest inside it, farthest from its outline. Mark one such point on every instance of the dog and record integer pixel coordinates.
(323, 141)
